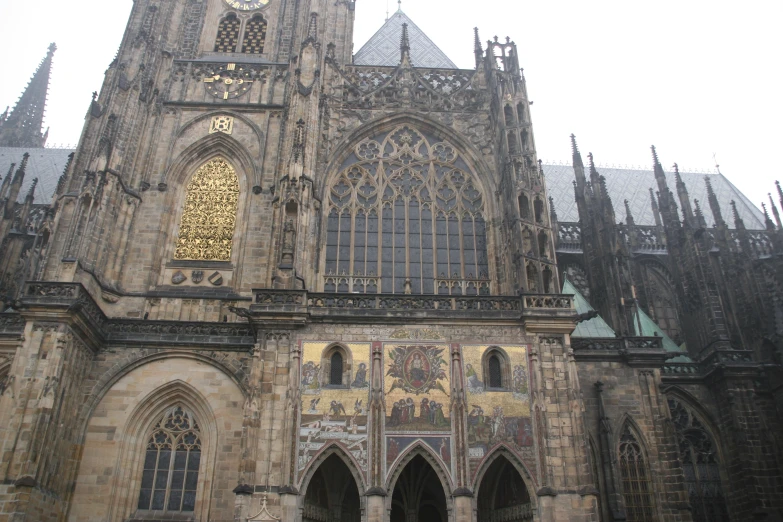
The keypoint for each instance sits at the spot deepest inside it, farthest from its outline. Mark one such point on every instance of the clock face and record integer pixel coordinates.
(247, 5)
(229, 83)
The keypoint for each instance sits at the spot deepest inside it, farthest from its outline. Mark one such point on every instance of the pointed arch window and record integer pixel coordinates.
(206, 229)
(495, 372)
(171, 464)
(637, 490)
(336, 369)
(700, 466)
(255, 35)
(405, 215)
(227, 34)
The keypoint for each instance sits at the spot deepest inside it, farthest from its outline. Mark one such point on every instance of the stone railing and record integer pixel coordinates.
(414, 302)
(681, 369)
(616, 344)
(73, 297)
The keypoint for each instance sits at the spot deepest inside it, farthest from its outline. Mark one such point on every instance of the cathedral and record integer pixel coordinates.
(281, 279)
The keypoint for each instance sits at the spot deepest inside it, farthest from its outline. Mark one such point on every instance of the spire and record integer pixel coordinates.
(552, 211)
(699, 214)
(64, 177)
(23, 127)
(666, 202)
(714, 205)
(654, 204)
(738, 223)
(6, 181)
(477, 50)
(767, 221)
(780, 193)
(31, 190)
(685, 201)
(405, 45)
(577, 157)
(775, 211)
(16, 186)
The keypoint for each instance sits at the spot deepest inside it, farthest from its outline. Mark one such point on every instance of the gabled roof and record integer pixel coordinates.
(635, 185)
(595, 327)
(383, 48)
(45, 164)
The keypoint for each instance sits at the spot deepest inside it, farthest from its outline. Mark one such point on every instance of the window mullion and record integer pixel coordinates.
(172, 458)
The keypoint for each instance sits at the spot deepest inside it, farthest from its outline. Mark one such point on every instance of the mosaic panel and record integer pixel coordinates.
(416, 384)
(496, 417)
(334, 414)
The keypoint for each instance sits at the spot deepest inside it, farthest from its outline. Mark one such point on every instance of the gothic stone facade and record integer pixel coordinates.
(278, 284)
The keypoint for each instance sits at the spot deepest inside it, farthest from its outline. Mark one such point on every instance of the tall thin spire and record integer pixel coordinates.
(714, 205)
(775, 211)
(477, 50)
(24, 126)
(405, 45)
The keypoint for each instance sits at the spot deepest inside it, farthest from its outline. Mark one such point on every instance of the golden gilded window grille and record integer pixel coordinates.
(637, 490)
(228, 34)
(255, 35)
(206, 230)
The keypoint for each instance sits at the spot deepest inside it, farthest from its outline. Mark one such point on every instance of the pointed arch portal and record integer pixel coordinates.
(332, 494)
(418, 494)
(502, 494)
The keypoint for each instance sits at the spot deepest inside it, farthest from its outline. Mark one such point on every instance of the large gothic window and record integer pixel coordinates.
(405, 216)
(206, 230)
(171, 464)
(699, 465)
(661, 301)
(637, 490)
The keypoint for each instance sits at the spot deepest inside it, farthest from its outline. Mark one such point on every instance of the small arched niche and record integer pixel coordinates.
(524, 206)
(496, 369)
(508, 113)
(336, 364)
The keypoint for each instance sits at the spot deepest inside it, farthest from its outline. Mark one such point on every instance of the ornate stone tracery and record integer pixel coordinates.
(406, 216)
(206, 230)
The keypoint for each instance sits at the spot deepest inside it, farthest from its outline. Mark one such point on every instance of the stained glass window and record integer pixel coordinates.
(635, 479)
(171, 464)
(406, 216)
(227, 35)
(699, 465)
(206, 230)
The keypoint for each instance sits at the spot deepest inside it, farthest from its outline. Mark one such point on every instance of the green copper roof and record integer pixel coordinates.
(650, 329)
(595, 327)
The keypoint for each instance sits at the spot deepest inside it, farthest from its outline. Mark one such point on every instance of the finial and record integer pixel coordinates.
(677, 173)
(574, 146)
(23, 165)
(590, 162)
(715, 159)
(654, 155)
(399, 6)
(94, 95)
(52, 48)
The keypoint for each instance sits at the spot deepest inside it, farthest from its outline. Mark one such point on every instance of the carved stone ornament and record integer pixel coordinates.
(263, 513)
(216, 278)
(178, 277)
(224, 124)
(197, 276)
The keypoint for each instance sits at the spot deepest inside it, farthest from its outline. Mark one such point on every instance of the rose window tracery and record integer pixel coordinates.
(406, 216)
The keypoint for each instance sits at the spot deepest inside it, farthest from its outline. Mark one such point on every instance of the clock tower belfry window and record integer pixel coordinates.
(228, 34)
(255, 35)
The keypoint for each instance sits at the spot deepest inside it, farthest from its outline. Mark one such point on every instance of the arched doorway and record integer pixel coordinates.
(502, 494)
(418, 494)
(332, 495)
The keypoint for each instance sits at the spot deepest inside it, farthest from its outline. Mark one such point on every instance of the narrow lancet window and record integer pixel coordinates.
(171, 464)
(227, 34)
(255, 35)
(336, 369)
(635, 479)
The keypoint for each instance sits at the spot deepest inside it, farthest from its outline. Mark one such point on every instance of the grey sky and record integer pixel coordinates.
(694, 78)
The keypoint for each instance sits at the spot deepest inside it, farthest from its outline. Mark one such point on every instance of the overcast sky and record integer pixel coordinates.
(692, 77)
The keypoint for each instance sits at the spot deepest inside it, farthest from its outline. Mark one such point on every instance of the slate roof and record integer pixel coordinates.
(45, 164)
(383, 49)
(634, 186)
(595, 327)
